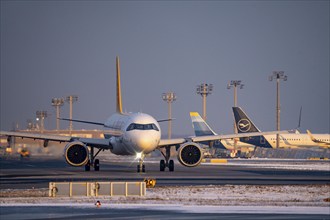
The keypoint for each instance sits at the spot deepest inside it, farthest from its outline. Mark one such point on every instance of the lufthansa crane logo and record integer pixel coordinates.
(244, 125)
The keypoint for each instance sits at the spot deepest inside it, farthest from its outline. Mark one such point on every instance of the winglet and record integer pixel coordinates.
(310, 135)
(119, 103)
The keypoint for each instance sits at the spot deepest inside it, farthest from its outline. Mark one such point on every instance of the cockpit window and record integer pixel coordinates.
(135, 126)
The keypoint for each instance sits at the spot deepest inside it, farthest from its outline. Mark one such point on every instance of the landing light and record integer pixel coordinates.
(138, 155)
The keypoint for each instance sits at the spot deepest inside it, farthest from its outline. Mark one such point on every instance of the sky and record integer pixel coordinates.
(52, 49)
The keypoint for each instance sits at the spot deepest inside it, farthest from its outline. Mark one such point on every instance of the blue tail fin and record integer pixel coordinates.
(243, 122)
(201, 128)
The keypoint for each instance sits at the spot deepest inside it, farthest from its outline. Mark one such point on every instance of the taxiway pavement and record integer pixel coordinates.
(37, 172)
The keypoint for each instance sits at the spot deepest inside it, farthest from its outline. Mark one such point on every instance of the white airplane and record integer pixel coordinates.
(201, 128)
(129, 134)
(290, 140)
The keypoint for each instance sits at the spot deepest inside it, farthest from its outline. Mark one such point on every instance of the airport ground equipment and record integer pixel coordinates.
(24, 152)
(70, 189)
(150, 183)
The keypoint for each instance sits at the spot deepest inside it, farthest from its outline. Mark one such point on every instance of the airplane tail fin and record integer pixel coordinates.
(243, 122)
(119, 108)
(201, 128)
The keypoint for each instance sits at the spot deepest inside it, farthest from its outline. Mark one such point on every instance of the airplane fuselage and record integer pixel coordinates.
(137, 133)
(287, 140)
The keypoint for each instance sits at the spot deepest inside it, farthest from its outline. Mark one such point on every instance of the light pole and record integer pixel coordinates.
(71, 99)
(41, 115)
(235, 84)
(169, 97)
(278, 75)
(204, 90)
(57, 103)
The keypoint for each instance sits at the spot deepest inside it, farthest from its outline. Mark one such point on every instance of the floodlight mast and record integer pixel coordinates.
(204, 90)
(235, 84)
(41, 115)
(71, 99)
(169, 97)
(278, 75)
(58, 103)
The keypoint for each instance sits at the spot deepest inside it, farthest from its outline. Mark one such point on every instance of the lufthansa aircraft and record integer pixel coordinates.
(129, 134)
(201, 128)
(291, 140)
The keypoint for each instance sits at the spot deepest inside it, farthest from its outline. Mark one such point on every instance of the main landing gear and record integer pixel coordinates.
(93, 162)
(167, 162)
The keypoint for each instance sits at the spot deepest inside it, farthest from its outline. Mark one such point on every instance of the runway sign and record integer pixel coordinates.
(69, 189)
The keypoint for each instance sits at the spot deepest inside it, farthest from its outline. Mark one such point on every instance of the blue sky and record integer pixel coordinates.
(57, 48)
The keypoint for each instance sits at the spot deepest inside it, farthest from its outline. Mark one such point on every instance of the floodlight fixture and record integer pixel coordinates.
(169, 97)
(41, 115)
(71, 99)
(204, 90)
(235, 84)
(57, 103)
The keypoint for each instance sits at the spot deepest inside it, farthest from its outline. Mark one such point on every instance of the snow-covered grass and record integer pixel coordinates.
(226, 195)
(283, 166)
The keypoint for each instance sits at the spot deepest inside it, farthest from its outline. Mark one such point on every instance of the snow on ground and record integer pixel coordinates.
(227, 195)
(297, 166)
(285, 164)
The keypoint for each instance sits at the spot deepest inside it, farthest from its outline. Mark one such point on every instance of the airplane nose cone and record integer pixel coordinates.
(146, 144)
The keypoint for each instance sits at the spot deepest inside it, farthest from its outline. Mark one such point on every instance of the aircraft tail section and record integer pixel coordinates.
(201, 128)
(243, 122)
(119, 108)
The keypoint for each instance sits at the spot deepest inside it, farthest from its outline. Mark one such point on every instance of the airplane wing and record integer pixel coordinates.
(231, 136)
(95, 142)
(168, 142)
(81, 121)
(36, 136)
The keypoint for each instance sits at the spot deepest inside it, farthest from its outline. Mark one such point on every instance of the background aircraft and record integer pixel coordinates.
(201, 128)
(290, 140)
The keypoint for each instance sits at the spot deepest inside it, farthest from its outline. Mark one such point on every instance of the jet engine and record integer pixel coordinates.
(190, 154)
(76, 154)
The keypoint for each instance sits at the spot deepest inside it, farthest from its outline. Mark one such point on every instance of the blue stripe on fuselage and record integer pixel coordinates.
(259, 141)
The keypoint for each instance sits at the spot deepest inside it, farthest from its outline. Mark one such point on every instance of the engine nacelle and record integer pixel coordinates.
(76, 154)
(190, 154)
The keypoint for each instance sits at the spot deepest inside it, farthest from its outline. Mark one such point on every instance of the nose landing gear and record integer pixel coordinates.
(141, 167)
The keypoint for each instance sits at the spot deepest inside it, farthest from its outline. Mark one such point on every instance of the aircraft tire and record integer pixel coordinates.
(171, 166)
(88, 166)
(97, 165)
(162, 165)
